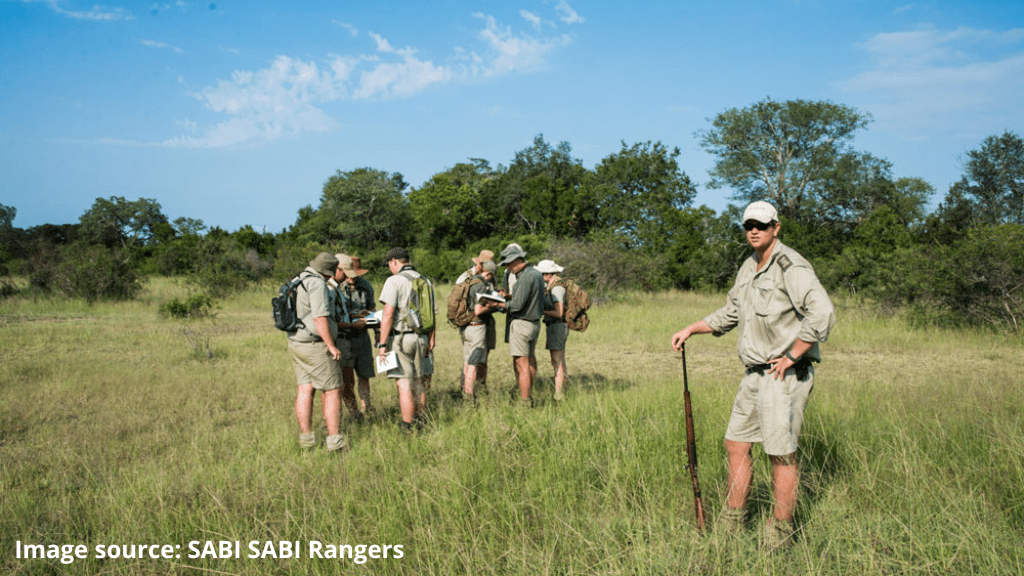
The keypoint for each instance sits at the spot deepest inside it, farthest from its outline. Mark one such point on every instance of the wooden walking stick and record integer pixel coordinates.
(691, 449)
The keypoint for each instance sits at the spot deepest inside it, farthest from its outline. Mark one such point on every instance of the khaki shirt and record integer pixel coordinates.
(314, 300)
(775, 306)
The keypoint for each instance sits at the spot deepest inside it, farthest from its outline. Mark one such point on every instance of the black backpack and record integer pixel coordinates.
(286, 317)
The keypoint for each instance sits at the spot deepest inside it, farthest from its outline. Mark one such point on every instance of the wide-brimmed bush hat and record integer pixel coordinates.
(511, 253)
(324, 263)
(548, 267)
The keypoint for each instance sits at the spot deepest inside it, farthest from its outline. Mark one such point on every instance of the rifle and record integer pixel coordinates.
(691, 449)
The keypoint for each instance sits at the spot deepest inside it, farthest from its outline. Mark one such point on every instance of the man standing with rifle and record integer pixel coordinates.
(782, 312)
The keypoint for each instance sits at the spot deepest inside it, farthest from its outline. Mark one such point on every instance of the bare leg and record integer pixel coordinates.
(786, 484)
(558, 364)
(364, 394)
(348, 393)
(330, 402)
(420, 388)
(469, 372)
(405, 400)
(304, 408)
(524, 375)
(740, 473)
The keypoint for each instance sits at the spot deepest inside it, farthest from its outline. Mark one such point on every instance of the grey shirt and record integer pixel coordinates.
(526, 301)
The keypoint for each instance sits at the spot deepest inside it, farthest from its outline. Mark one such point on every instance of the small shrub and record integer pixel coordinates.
(195, 306)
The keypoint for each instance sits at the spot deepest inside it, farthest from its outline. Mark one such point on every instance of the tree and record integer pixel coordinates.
(993, 184)
(188, 226)
(7, 214)
(120, 222)
(457, 206)
(642, 195)
(363, 209)
(780, 151)
(543, 191)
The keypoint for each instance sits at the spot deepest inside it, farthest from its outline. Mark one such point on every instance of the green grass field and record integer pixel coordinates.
(118, 427)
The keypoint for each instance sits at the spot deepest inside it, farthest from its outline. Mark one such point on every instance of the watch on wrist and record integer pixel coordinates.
(790, 356)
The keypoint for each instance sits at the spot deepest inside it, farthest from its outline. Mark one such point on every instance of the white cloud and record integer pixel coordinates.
(289, 96)
(267, 104)
(351, 29)
(99, 13)
(532, 18)
(515, 52)
(162, 46)
(382, 43)
(930, 77)
(569, 16)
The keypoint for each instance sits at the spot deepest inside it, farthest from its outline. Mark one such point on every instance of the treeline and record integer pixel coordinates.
(626, 223)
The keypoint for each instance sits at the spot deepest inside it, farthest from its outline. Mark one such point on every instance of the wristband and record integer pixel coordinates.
(790, 356)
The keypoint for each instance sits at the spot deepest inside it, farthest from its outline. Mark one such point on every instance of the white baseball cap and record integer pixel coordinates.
(761, 211)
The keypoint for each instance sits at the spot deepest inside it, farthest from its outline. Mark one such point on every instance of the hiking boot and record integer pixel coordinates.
(336, 443)
(405, 428)
(307, 441)
(420, 422)
(778, 534)
(731, 520)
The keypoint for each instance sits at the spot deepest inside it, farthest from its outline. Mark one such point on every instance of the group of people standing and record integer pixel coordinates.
(778, 306)
(333, 348)
(529, 296)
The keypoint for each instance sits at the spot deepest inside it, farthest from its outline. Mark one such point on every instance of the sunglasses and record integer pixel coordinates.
(751, 224)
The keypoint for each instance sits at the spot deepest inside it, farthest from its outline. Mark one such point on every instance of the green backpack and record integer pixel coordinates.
(421, 305)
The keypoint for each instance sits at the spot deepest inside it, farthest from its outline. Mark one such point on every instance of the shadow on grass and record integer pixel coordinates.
(445, 401)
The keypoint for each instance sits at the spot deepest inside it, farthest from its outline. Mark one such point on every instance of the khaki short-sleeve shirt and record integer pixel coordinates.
(313, 300)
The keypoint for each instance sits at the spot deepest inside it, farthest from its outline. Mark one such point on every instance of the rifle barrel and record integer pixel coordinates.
(691, 448)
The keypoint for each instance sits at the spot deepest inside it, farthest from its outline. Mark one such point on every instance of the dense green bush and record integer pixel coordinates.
(91, 272)
(603, 267)
(231, 271)
(977, 281)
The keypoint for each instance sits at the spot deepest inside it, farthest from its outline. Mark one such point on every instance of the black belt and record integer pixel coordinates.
(400, 332)
(802, 368)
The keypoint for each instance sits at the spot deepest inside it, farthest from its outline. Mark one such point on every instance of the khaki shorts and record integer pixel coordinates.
(477, 342)
(313, 364)
(557, 334)
(770, 411)
(522, 340)
(411, 351)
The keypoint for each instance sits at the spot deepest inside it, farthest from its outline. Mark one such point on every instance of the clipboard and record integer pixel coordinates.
(386, 362)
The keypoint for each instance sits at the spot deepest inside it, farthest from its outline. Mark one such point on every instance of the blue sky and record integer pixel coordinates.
(237, 112)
